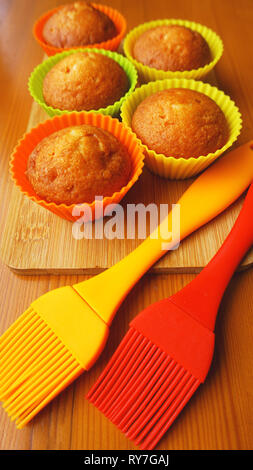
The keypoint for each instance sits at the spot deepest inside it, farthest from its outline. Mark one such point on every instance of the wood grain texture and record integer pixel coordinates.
(220, 415)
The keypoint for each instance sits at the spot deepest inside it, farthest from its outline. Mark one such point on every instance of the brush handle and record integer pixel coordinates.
(211, 193)
(201, 297)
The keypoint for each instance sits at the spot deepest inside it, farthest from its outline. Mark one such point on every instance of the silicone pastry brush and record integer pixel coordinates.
(63, 332)
(168, 349)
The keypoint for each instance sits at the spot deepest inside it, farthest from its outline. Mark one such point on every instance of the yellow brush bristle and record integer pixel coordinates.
(35, 367)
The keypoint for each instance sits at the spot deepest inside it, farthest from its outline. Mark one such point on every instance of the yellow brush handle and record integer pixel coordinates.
(211, 193)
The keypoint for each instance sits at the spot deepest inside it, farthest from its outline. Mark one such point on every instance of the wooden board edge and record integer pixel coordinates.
(95, 271)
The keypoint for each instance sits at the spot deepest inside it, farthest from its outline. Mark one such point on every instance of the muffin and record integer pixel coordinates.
(84, 81)
(76, 164)
(172, 47)
(78, 24)
(180, 122)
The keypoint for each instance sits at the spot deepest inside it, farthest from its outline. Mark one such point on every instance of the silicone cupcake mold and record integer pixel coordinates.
(148, 74)
(181, 168)
(36, 79)
(111, 44)
(19, 158)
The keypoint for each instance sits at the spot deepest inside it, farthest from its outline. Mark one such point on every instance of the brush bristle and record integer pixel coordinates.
(35, 367)
(142, 390)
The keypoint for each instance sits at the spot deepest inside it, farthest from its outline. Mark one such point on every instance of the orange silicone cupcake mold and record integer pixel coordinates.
(110, 44)
(25, 146)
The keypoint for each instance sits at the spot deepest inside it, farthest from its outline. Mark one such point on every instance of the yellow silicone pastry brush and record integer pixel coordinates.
(63, 332)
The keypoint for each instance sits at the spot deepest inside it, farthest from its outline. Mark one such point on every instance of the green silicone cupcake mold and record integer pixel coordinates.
(35, 83)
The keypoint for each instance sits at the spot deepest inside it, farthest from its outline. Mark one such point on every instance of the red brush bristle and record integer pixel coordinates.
(142, 390)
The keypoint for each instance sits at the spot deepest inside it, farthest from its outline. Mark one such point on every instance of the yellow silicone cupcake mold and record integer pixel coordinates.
(181, 168)
(148, 74)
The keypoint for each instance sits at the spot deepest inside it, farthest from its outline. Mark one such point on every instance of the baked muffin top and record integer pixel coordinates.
(84, 81)
(78, 24)
(179, 122)
(172, 47)
(76, 164)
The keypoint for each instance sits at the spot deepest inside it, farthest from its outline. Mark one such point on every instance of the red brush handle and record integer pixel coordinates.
(201, 298)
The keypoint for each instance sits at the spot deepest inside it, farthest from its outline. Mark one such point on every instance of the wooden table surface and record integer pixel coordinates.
(220, 415)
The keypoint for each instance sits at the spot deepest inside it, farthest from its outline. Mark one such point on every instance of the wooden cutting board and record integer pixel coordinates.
(35, 241)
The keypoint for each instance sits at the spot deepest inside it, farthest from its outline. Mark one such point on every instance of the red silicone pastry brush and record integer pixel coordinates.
(168, 349)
